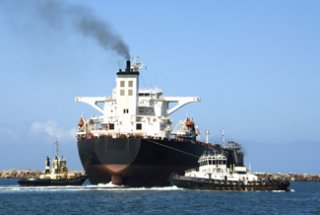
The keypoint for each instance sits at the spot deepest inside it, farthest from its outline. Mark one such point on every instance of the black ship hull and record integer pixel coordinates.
(52, 182)
(211, 184)
(141, 162)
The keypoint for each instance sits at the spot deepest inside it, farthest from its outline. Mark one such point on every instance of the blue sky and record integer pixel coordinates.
(255, 65)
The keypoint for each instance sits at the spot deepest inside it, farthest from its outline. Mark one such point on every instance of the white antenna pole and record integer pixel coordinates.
(207, 136)
(223, 139)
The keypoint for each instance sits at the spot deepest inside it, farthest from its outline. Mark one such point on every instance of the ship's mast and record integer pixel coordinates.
(136, 64)
(57, 147)
(207, 136)
(222, 137)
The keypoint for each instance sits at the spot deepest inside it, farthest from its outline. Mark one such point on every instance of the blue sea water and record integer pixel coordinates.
(304, 198)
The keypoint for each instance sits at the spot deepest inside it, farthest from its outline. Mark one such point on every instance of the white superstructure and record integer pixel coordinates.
(131, 111)
(214, 166)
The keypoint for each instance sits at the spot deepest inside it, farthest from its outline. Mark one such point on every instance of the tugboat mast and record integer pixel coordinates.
(207, 136)
(223, 138)
(57, 147)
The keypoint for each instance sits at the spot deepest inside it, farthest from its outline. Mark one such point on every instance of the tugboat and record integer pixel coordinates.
(213, 174)
(57, 175)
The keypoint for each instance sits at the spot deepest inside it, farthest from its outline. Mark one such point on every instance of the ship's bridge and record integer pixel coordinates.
(133, 111)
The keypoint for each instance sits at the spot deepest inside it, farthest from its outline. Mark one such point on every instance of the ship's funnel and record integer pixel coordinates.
(128, 66)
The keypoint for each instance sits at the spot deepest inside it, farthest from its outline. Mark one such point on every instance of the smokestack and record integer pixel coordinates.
(128, 69)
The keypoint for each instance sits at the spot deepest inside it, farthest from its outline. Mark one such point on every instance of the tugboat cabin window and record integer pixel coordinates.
(139, 126)
(111, 126)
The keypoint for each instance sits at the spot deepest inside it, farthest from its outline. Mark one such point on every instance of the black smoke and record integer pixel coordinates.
(61, 14)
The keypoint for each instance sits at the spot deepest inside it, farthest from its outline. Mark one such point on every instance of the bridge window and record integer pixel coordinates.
(130, 92)
(121, 92)
(121, 83)
(130, 83)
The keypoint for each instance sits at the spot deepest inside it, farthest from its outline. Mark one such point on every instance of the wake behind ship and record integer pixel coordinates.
(132, 142)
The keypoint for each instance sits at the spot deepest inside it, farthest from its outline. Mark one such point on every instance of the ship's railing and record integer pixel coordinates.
(102, 133)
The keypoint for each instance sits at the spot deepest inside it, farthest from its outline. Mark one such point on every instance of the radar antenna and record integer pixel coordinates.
(136, 64)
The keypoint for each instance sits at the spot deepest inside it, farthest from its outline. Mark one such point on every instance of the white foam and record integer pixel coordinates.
(292, 191)
(278, 191)
(151, 188)
(166, 188)
(100, 187)
(110, 185)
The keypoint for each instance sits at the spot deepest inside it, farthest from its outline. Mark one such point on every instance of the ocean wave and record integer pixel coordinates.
(278, 191)
(110, 186)
(292, 190)
(99, 187)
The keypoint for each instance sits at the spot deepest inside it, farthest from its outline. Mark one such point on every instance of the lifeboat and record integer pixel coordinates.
(189, 122)
(81, 123)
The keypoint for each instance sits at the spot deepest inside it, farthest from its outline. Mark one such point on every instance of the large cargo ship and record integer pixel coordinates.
(133, 143)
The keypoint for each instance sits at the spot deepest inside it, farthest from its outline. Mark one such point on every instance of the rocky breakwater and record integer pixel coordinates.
(290, 176)
(13, 173)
